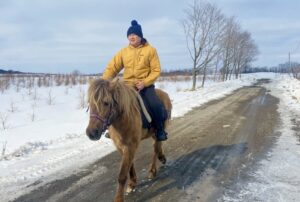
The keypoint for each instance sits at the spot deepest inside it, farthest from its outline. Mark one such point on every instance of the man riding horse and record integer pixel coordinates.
(141, 69)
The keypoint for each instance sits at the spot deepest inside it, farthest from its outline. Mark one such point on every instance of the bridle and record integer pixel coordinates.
(106, 121)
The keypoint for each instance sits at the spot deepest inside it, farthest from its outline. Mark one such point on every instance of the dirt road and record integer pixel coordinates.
(207, 150)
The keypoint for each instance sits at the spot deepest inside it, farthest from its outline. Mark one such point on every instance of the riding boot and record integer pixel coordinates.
(161, 135)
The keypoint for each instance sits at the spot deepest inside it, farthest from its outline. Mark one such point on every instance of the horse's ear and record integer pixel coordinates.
(115, 88)
(113, 83)
(112, 86)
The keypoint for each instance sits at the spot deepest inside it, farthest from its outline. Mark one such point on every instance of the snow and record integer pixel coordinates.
(45, 142)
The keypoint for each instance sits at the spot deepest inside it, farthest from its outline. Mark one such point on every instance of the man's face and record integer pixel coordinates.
(134, 40)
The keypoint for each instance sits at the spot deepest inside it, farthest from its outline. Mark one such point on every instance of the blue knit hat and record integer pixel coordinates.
(135, 28)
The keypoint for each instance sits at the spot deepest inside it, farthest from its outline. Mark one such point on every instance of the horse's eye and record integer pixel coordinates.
(106, 104)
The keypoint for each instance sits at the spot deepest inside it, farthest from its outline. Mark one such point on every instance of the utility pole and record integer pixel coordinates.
(289, 61)
(290, 69)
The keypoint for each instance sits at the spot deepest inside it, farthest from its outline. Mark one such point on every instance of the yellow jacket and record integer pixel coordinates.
(140, 64)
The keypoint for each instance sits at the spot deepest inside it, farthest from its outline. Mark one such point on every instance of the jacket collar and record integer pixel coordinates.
(140, 46)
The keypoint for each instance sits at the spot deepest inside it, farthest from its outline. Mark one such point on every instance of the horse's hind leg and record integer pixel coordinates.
(132, 180)
(152, 169)
(158, 154)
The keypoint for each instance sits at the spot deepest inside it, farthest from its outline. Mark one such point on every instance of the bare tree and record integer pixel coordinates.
(227, 45)
(35, 94)
(82, 80)
(29, 90)
(3, 120)
(73, 79)
(30, 84)
(4, 83)
(246, 52)
(295, 70)
(12, 108)
(67, 80)
(203, 26)
(39, 82)
(81, 96)
(50, 99)
(3, 149)
(32, 115)
(17, 85)
(238, 50)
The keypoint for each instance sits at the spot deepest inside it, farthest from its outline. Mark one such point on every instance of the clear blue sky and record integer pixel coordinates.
(64, 35)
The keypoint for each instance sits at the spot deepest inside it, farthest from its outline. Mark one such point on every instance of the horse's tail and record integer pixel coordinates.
(164, 97)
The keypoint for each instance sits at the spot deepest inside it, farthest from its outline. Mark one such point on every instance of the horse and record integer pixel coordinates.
(114, 106)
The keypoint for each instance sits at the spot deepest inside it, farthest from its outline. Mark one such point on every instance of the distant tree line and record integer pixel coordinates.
(31, 81)
(2, 71)
(292, 68)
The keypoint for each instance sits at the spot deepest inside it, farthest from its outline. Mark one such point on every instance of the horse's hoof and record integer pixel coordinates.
(129, 189)
(162, 159)
(151, 175)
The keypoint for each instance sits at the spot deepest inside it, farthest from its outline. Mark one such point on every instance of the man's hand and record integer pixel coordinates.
(140, 85)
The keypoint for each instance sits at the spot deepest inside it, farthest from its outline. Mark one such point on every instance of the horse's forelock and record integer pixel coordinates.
(98, 90)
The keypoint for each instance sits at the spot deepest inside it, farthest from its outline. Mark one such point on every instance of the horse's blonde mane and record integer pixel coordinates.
(114, 91)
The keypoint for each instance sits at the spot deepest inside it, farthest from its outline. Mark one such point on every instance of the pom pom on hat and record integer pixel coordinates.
(134, 23)
(135, 28)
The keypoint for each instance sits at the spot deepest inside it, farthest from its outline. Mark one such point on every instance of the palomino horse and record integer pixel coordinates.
(115, 106)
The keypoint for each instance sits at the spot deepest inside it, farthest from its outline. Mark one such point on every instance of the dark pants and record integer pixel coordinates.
(154, 106)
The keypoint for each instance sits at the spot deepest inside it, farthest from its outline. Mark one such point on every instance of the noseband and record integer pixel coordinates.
(106, 121)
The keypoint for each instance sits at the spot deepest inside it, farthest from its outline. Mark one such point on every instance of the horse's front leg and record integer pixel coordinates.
(132, 179)
(127, 159)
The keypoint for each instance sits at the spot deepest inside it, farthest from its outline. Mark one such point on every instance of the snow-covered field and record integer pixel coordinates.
(45, 141)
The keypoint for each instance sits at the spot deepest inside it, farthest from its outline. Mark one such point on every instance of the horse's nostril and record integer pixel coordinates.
(96, 132)
(93, 134)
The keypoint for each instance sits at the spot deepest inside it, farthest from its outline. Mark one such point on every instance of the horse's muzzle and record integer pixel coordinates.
(94, 134)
